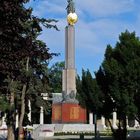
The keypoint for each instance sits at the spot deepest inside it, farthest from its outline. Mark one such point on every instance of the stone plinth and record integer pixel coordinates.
(68, 113)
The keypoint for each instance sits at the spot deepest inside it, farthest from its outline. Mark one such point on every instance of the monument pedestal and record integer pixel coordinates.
(68, 113)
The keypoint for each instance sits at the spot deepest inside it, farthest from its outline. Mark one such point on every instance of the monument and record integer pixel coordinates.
(68, 110)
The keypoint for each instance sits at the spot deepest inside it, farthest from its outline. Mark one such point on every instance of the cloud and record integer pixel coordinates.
(103, 8)
(95, 8)
(100, 23)
(46, 8)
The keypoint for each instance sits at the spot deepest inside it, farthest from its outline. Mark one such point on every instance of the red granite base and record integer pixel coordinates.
(68, 113)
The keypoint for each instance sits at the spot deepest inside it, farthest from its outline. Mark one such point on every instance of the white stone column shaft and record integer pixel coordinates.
(136, 124)
(41, 115)
(114, 121)
(90, 118)
(127, 125)
(3, 120)
(29, 114)
(103, 121)
(17, 119)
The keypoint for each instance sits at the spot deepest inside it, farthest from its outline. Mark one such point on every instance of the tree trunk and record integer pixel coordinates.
(124, 134)
(10, 135)
(10, 126)
(110, 124)
(121, 132)
(21, 131)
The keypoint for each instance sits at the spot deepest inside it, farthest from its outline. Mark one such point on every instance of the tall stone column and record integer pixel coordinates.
(127, 125)
(3, 120)
(114, 120)
(29, 114)
(90, 118)
(17, 120)
(41, 115)
(69, 73)
(103, 121)
(136, 125)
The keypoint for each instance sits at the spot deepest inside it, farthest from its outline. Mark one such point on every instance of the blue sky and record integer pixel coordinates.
(100, 23)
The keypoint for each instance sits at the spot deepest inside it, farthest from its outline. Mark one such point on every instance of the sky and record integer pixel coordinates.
(100, 23)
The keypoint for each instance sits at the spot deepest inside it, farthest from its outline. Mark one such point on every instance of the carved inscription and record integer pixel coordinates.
(57, 113)
(74, 113)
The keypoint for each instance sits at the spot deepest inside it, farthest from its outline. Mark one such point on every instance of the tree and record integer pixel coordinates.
(23, 56)
(37, 57)
(89, 94)
(80, 95)
(118, 79)
(55, 77)
(10, 40)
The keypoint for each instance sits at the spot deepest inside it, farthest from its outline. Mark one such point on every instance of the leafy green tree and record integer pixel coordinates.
(80, 95)
(11, 41)
(55, 77)
(53, 80)
(89, 94)
(118, 79)
(22, 57)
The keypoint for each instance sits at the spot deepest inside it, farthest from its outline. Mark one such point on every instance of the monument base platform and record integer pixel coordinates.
(68, 113)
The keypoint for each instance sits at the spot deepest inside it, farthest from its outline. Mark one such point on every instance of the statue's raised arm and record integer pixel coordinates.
(70, 8)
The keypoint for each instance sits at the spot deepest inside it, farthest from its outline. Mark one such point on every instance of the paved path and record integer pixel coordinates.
(76, 137)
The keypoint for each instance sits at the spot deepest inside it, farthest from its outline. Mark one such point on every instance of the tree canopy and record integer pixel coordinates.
(23, 57)
(89, 94)
(118, 78)
(55, 77)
